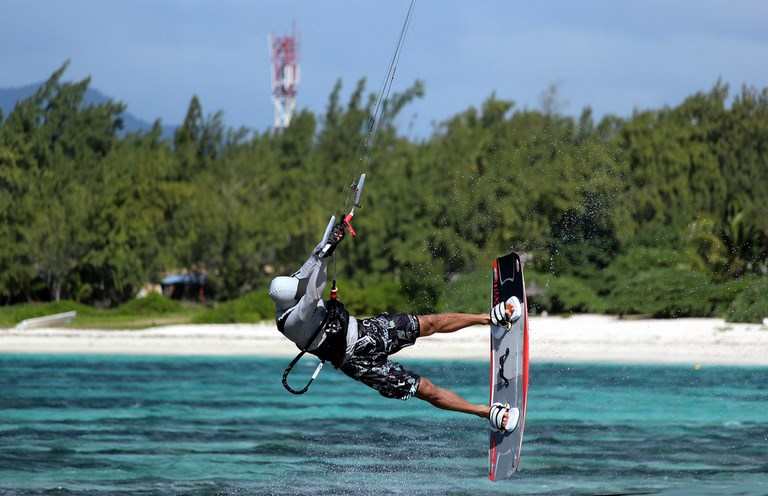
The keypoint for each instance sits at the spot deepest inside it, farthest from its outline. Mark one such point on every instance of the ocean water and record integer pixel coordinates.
(206, 426)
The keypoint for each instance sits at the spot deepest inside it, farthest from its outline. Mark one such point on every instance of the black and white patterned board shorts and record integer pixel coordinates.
(379, 337)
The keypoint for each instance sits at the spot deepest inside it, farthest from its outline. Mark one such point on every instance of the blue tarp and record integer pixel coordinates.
(183, 279)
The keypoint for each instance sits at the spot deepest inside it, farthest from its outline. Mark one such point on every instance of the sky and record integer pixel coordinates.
(615, 56)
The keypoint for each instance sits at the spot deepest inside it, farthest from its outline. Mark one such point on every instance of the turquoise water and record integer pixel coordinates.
(205, 426)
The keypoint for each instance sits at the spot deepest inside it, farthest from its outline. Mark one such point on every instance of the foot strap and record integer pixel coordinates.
(496, 417)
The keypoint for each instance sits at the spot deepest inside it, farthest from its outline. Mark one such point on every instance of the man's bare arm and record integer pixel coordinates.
(450, 322)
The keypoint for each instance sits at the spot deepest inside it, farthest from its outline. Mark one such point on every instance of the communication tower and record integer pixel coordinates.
(284, 51)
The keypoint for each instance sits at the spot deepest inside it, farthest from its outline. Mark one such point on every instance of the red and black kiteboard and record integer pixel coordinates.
(509, 366)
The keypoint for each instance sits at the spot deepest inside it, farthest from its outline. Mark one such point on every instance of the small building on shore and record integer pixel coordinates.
(186, 286)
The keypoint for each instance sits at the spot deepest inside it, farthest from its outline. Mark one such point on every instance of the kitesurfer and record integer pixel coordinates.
(360, 347)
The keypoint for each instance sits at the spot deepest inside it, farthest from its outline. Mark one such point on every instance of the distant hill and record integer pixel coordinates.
(131, 123)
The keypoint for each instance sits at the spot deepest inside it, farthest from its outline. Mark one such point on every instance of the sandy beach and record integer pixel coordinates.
(592, 338)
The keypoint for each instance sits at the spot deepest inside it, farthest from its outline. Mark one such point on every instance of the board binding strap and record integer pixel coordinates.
(508, 366)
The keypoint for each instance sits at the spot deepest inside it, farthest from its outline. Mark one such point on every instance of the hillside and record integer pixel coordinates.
(131, 123)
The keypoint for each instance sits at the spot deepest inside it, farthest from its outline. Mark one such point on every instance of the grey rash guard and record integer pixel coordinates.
(304, 318)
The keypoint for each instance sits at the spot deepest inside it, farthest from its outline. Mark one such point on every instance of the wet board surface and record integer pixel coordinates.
(509, 366)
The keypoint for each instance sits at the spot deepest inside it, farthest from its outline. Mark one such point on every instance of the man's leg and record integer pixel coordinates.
(450, 322)
(369, 363)
(448, 400)
(441, 397)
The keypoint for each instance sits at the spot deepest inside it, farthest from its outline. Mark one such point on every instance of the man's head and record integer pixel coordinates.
(284, 291)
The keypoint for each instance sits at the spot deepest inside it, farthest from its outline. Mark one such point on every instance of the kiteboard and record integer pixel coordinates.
(509, 366)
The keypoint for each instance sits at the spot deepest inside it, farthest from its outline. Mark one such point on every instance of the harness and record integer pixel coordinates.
(333, 348)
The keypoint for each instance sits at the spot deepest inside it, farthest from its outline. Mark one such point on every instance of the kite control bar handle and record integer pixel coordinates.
(358, 189)
(348, 224)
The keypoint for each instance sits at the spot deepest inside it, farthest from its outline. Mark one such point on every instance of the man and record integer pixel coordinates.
(361, 347)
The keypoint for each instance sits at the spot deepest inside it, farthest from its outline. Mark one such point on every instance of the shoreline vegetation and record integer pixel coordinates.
(661, 213)
(150, 311)
(155, 325)
(579, 338)
(463, 295)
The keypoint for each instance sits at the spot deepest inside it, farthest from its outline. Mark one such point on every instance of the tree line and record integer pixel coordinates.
(607, 211)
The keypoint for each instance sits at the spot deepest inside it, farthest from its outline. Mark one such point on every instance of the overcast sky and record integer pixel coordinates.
(613, 55)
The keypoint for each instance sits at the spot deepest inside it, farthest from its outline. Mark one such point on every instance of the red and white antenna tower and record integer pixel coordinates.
(284, 51)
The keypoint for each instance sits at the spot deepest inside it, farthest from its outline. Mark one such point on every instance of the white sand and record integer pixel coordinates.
(580, 338)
